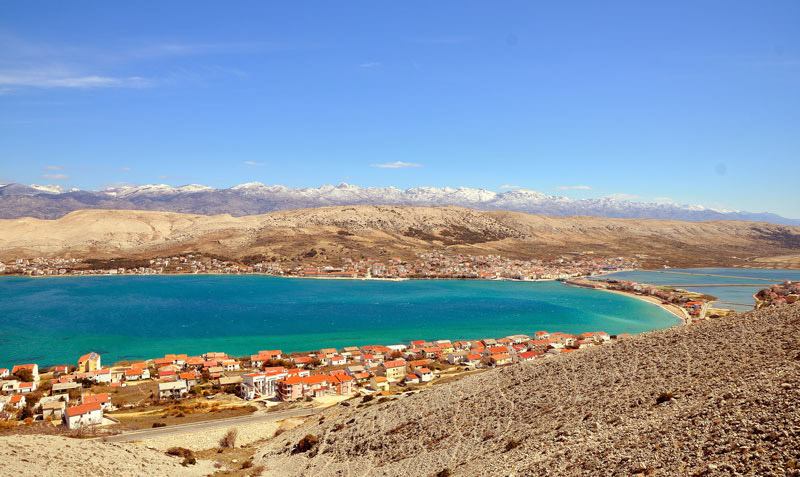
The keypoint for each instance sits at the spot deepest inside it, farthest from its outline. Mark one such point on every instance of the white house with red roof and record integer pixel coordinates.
(83, 415)
(394, 370)
(4, 373)
(424, 374)
(17, 400)
(264, 384)
(103, 399)
(33, 368)
(472, 359)
(24, 388)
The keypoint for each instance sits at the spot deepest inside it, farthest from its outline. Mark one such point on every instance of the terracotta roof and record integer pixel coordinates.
(90, 356)
(394, 364)
(22, 366)
(83, 409)
(98, 398)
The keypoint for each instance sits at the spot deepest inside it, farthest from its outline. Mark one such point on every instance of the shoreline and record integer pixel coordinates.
(680, 313)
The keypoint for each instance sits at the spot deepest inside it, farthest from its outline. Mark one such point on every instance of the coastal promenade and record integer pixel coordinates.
(139, 435)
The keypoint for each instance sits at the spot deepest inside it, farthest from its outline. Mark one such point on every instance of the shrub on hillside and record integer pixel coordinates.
(306, 444)
(228, 441)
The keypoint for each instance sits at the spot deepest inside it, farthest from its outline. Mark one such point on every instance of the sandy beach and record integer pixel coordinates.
(674, 309)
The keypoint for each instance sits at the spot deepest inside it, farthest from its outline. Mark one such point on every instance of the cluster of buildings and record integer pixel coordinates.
(687, 300)
(781, 294)
(488, 267)
(64, 402)
(270, 374)
(156, 266)
(426, 265)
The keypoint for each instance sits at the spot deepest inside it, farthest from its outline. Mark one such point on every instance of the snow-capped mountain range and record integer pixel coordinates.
(17, 200)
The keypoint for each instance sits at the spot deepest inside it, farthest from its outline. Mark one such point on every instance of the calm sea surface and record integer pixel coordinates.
(736, 298)
(55, 320)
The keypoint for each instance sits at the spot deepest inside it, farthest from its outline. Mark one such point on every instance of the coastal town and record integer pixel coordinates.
(687, 305)
(442, 264)
(784, 293)
(89, 395)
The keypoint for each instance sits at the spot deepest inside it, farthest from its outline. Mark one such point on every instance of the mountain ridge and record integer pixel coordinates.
(330, 233)
(253, 198)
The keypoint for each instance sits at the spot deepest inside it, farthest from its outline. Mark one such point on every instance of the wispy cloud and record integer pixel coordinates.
(396, 165)
(510, 187)
(664, 200)
(25, 65)
(371, 64)
(253, 164)
(573, 187)
(55, 177)
(60, 78)
(106, 169)
(53, 168)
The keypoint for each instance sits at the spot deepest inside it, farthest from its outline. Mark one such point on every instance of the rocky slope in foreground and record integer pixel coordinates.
(720, 397)
(33, 456)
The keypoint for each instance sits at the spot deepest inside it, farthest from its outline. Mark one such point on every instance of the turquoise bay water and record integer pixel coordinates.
(741, 295)
(55, 320)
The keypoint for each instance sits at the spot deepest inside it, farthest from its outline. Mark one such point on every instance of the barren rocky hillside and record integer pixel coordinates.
(718, 398)
(33, 456)
(376, 230)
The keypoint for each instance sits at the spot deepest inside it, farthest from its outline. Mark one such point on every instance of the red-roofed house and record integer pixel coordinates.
(419, 363)
(33, 368)
(89, 362)
(472, 359)
(302, 361)
(262, 384)
(190, 378)
(424, 374)
(103, 399)
(61, 369)
(500, 359)
(297, 387)
(394, 371)
(271, 354)
(83, 415)
(17, 401)
(495, 350)
(343, 384)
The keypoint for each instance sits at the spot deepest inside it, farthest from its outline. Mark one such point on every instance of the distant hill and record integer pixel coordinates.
(50, 202)
(718, 398)
(323, 235)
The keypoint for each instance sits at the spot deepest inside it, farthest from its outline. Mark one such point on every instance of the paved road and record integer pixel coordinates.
(206, 425)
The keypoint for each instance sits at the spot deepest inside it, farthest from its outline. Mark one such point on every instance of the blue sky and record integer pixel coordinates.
(692, 102)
